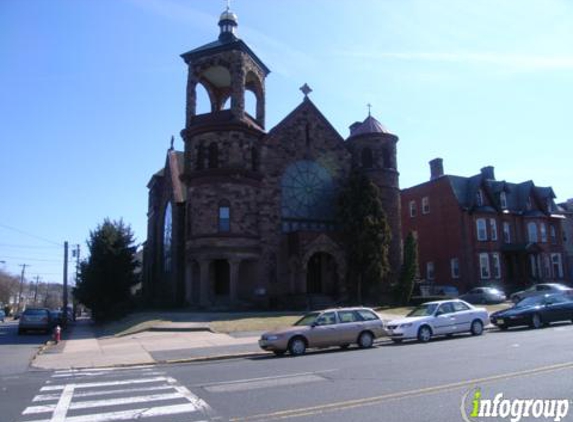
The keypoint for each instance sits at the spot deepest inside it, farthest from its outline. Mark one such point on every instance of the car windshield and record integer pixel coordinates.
(35, 312)
(530, 301)
(560, 287)
(308, 319)
(423, 310)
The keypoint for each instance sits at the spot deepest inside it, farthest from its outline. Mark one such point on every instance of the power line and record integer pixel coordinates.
(9, 245)
(31, 259)
(31, 235)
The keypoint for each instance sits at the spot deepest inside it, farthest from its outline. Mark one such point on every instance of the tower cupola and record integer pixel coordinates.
(228, 23)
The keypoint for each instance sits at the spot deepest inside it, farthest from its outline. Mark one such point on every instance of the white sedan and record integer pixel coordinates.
(444, 317)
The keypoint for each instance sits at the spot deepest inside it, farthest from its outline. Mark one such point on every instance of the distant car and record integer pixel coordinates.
(57, 318)
(535, 311)
(2, 316)
(484, 295)
(35, 319)
(539, 290)
(332, 327)
(444, 317)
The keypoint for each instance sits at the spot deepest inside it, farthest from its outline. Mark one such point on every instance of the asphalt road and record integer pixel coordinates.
(408, 382)
(16, 351)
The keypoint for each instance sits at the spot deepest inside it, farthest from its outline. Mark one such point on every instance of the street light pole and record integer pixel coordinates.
(21, 284)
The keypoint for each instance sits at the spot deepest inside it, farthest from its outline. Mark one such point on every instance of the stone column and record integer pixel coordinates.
(204, 282)
(234, 265)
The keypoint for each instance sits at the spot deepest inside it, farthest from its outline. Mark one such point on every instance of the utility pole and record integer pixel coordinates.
(65, 298)
(21, 285)
(36, 290)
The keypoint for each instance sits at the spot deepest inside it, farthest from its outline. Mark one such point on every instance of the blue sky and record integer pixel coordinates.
(92, 90)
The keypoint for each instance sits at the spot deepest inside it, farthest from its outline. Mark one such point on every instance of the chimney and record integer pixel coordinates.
(436, 168)
(487, 173)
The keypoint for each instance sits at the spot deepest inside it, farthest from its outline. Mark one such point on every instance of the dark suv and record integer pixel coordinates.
(35, 319)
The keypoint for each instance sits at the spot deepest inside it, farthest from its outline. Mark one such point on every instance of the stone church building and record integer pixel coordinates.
(245, 216)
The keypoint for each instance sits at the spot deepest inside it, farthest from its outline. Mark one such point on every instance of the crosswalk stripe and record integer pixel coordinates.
(49, 397)
(104, 383)
(126, 415)
(104, 403)
(79, 371)
(98, 374)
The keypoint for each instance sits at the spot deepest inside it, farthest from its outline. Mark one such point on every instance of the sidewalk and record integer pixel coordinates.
(166, 343)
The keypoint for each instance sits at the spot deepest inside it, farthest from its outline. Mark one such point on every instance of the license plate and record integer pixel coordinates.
(500, 321)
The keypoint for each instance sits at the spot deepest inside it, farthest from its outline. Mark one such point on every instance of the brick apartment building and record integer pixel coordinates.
(566, 209)
(476, 230)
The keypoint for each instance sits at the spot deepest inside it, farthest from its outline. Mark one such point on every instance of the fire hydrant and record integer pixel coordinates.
(57, 334)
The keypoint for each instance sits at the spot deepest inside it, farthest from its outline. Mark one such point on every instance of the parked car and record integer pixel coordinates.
(484, 295)
(2, 316)
(35, 319)
(332, 327)
(535, 311)
(57, 318)
(539, 290)
(444, 317)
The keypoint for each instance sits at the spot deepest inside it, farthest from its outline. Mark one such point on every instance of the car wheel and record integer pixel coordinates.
(536, 321)
(424, 334)
(279, 352)
(365, 340)
(476, 328)
(297, 346)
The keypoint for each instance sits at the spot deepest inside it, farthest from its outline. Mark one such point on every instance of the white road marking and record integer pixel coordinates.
(104, 403)
(49, 397)
(104, 383)
(240, 381)
(130, 368)
(276, 382)
(97, 374)
(132, 414)
(201, 404)
(61, 409)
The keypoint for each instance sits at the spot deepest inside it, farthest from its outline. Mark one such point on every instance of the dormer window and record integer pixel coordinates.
(503, 200)
(479, 198)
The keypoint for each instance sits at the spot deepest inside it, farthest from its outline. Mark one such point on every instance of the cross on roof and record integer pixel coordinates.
(228, 4)
(305, 89)
(369, 107)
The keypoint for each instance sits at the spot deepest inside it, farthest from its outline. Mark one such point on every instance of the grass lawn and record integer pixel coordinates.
(230, 322)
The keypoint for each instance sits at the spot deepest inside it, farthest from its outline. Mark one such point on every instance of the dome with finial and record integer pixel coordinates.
(229, 15)
(228, 23)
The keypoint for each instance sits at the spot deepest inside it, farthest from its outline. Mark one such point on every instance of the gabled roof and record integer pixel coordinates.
(174, 166)
(306, 104)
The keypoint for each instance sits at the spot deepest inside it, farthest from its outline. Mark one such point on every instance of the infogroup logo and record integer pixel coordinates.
(512, 409)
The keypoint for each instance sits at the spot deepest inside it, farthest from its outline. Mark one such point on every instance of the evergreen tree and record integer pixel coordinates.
(409, 269)
(367, 236)
(106, 276)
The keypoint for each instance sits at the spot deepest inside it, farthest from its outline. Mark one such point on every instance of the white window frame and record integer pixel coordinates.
(496, 265)
(413, 209)
(481, 229)
(546, 266)
(532, 235)
(455, 267)
(493, 228)
(553, 234)
(503, 200)
(425, 205)
(430, 270)
(484, 270)
(543, 232)
(506, 232)
(557, 264)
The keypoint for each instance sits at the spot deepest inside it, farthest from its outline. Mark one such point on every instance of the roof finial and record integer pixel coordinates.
(305, 89)
(369, 107)
(228, 5)
(172, 141)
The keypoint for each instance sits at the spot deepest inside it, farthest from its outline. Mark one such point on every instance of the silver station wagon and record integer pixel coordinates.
(331, 327)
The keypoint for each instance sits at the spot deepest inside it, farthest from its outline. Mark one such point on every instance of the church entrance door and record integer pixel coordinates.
(321, 275)
(221, 277)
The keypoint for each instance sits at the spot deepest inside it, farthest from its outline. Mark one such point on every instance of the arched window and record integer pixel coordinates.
(367, 158)
(200, 165)
(387, 159)
(224, 217)
(167, 237)
(213, 156)
(255, 159)
(532, 231)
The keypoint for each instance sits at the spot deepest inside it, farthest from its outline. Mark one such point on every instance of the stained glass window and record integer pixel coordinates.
(308, 193)
(167, 237)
